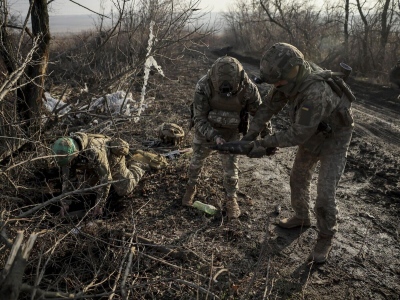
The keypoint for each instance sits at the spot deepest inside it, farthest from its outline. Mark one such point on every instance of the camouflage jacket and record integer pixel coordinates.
(93, 162)
(204, 98)
(315, 103)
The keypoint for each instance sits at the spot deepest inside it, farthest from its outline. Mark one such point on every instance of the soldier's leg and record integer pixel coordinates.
(332, 167)
(300, 182)
(230, 165)
(200, 153)
(333, 161)
(127, 178)
(300, 185)
(231, 184)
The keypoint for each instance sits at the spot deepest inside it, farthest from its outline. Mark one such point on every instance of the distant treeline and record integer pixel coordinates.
(364, 34)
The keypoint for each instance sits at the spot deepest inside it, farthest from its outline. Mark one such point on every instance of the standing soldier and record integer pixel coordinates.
(223, 99)
(322, 125)
(101, 159)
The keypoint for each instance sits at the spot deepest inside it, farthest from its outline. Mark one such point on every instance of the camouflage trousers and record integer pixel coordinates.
(127, 178)
(332, 164)
(229, 166)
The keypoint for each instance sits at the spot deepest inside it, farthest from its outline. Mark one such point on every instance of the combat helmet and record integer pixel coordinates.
(171, 133)
(278, 62)
(226, 76)
(65, 146)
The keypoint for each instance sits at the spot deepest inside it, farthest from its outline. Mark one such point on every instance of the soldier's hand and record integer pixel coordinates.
(219, 140)
(257, 151)
(271, 151)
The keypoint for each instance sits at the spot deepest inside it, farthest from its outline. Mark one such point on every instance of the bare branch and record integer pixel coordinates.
(89, 9)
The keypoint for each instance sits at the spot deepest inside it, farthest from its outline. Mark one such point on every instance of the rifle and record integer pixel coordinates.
(241, 148)
(238, 147)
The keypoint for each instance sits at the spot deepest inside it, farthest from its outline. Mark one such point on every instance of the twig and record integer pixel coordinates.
(90, 9)
(266, 280)
(25, 288)
(364, 240)
(128, 266)
(111, 116)
(259, 261)
(13, 254)
(58, 198)
(172, 265)
(211, 268)
(197, 287)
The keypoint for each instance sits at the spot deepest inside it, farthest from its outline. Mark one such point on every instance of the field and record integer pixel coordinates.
(148, 246)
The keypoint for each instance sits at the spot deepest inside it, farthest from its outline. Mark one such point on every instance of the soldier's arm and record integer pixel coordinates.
(273, 103)
(307, 118)
(201, 108)
(252, 98)
(68, 177)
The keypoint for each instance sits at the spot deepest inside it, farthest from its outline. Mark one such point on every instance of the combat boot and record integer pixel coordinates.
(187, 199)
(321, 249)
(294, 222)
(232, 208)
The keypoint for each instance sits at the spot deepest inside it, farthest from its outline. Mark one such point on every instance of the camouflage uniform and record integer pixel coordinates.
(216, 116)
(101, 159)
(312, 105)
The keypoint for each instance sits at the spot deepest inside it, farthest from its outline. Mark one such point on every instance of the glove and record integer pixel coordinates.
(257, 151)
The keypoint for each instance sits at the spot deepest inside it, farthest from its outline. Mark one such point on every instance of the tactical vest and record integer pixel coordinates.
(225, 112)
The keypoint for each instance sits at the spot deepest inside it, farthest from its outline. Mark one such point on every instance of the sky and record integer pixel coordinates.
(66, 7)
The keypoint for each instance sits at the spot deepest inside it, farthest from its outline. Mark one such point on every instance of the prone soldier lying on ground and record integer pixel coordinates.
(102, 161)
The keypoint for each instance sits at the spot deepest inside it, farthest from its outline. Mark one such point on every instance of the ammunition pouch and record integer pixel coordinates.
(344, 117)
(224, 119)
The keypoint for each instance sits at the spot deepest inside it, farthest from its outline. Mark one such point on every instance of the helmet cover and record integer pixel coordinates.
(226, 75)
(277, 62)
(171, 133)
(65, 146)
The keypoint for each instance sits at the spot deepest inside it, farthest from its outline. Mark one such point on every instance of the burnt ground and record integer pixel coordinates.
(210, 257)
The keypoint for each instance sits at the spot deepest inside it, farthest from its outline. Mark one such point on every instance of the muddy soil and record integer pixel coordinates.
(251, 258)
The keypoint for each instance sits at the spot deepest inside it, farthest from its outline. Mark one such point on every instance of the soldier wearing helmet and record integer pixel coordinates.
(101, 160)
(322, 126)
(222, 97)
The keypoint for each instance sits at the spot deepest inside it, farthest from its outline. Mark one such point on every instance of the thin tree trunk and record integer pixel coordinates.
(346, 31)
(37, 69)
